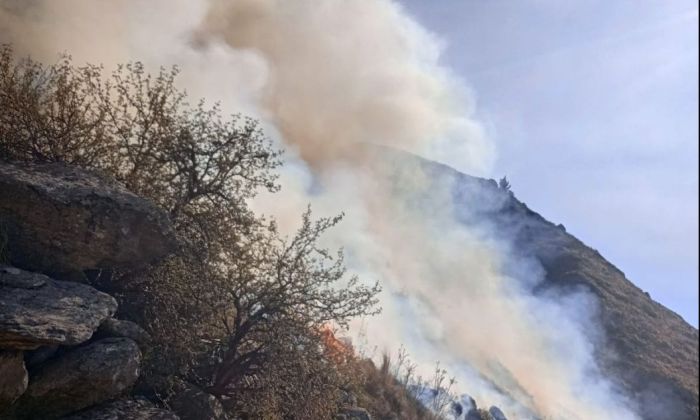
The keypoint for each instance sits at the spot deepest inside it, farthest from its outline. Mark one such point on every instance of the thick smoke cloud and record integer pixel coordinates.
(327, 77)
(343, 72)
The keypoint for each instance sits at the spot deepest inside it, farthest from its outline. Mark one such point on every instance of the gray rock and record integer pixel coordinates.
(356, 413)
(470, 408)
(61, 219)
(348, 398)
(13, 377)
(191, 403)
(80, 378)
(496, 413)
(120, 328)
(473, 414)
(131, 409)
(15, 278)
(467, 402)
(464, 407)
(36, 310)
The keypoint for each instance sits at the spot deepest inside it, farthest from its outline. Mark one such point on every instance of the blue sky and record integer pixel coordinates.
(593, 106)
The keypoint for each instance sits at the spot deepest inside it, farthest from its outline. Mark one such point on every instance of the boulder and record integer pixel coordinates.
(468, 403)
(497, 414)
(13, 377)
(469, 407)
(473, 414)
(80, 378)
(191, 403)
(61, 220)
(120, 328)
(131, 409)
(36, 310)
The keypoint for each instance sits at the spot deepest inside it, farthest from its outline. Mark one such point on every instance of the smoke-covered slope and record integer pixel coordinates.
(644, 347)
(649, 348)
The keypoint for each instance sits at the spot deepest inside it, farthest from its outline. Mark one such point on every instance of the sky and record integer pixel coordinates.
(593, 108)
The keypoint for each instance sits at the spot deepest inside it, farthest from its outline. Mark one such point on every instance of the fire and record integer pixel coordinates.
(337, 350)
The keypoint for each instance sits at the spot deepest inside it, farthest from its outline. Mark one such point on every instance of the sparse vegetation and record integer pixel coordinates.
(504, 184)
(393, 389)
(385, 396)
(438, 387)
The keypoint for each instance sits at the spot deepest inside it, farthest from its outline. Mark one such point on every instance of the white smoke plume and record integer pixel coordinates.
(325, 77)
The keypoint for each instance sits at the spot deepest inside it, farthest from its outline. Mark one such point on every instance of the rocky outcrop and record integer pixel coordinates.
(120, 328)
(36, 310)
(13, 377)
(61, 352)
(129, 409)
(61, 220)
(80, 378)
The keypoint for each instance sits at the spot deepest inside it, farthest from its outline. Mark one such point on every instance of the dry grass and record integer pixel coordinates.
(384, 396)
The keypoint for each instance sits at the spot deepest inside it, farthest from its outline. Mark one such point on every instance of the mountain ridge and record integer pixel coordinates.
(647, 349)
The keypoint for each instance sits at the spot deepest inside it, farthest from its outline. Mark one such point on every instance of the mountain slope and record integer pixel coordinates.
(647, 349)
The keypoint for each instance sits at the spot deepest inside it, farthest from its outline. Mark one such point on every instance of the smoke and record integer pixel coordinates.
(326, 78)
(348, 72)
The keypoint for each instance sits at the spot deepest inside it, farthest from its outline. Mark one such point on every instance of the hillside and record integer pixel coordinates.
(646, 348)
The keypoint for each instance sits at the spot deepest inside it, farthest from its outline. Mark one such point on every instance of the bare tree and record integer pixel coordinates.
(504, 184)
